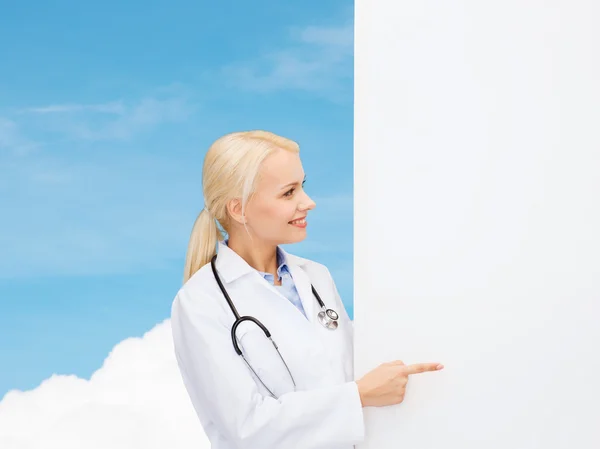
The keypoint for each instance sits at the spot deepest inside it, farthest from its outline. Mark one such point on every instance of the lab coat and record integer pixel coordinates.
(234, 409)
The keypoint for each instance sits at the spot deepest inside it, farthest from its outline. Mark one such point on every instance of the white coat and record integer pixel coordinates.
(234, 409)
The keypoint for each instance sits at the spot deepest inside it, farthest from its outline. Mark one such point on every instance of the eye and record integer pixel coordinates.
(292, 190)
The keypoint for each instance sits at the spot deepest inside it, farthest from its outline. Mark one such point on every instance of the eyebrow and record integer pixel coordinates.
(292, 183)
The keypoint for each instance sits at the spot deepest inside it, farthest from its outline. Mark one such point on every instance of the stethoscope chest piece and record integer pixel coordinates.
(329, 319)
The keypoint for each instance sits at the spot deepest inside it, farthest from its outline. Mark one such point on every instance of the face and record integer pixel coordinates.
(279, 201)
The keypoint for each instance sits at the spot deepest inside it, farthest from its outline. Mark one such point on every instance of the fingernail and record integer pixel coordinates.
(440, 366)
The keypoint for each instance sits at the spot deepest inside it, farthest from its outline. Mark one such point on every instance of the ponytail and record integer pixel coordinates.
(202, 245)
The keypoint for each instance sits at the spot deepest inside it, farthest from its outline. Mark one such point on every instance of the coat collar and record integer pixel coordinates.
(232, 266)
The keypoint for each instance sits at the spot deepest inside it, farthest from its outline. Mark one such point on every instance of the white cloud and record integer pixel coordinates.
(319, 61)
(135, 400)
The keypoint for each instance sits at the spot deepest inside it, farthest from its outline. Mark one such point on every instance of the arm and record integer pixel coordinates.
(217, 378)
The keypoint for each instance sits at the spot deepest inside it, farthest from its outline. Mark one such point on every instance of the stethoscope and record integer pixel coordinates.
(327, 317)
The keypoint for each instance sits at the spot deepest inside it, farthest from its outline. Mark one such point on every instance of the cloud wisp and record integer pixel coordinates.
(117, 120)
(12, 139)
(318, 60)
(116, 107)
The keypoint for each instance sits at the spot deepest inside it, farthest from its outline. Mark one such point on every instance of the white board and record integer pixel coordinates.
(477, 220)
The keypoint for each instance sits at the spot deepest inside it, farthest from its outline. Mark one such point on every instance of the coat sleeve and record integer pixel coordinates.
(219, 383)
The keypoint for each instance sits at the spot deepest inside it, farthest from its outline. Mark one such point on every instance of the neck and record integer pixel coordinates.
(262, 257)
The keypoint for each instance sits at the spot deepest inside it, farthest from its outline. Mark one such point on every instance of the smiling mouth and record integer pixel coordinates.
(299, 221)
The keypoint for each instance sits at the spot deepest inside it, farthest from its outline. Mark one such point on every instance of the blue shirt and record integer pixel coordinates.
(287, 287)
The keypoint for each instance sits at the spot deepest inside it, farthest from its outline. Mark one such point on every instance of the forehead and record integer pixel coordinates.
(281, 168)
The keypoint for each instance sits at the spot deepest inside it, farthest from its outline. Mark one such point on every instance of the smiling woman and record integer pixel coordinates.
(269, 199)
(265, 358)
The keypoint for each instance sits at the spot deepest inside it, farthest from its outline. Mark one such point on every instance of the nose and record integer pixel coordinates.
(308, 203)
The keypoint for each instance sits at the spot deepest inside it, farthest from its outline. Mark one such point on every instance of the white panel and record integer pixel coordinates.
(477, 220)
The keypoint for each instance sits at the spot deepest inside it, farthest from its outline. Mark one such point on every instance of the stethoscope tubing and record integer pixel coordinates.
(240, 319)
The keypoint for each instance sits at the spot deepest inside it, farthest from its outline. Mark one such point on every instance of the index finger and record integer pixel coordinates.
(416, 368)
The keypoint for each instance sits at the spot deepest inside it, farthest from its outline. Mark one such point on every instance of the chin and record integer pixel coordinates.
(294, 238)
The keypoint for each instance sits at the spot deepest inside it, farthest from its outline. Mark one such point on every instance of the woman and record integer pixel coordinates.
(305, 396)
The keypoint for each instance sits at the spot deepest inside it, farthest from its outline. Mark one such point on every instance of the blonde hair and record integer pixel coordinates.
(230, 171)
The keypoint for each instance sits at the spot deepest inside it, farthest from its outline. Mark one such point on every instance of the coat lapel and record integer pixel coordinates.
(303, 285)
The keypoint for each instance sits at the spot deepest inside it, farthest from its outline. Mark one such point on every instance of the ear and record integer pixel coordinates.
(234, 207)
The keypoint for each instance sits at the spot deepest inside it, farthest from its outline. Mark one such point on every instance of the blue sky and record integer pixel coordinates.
(106, 111)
